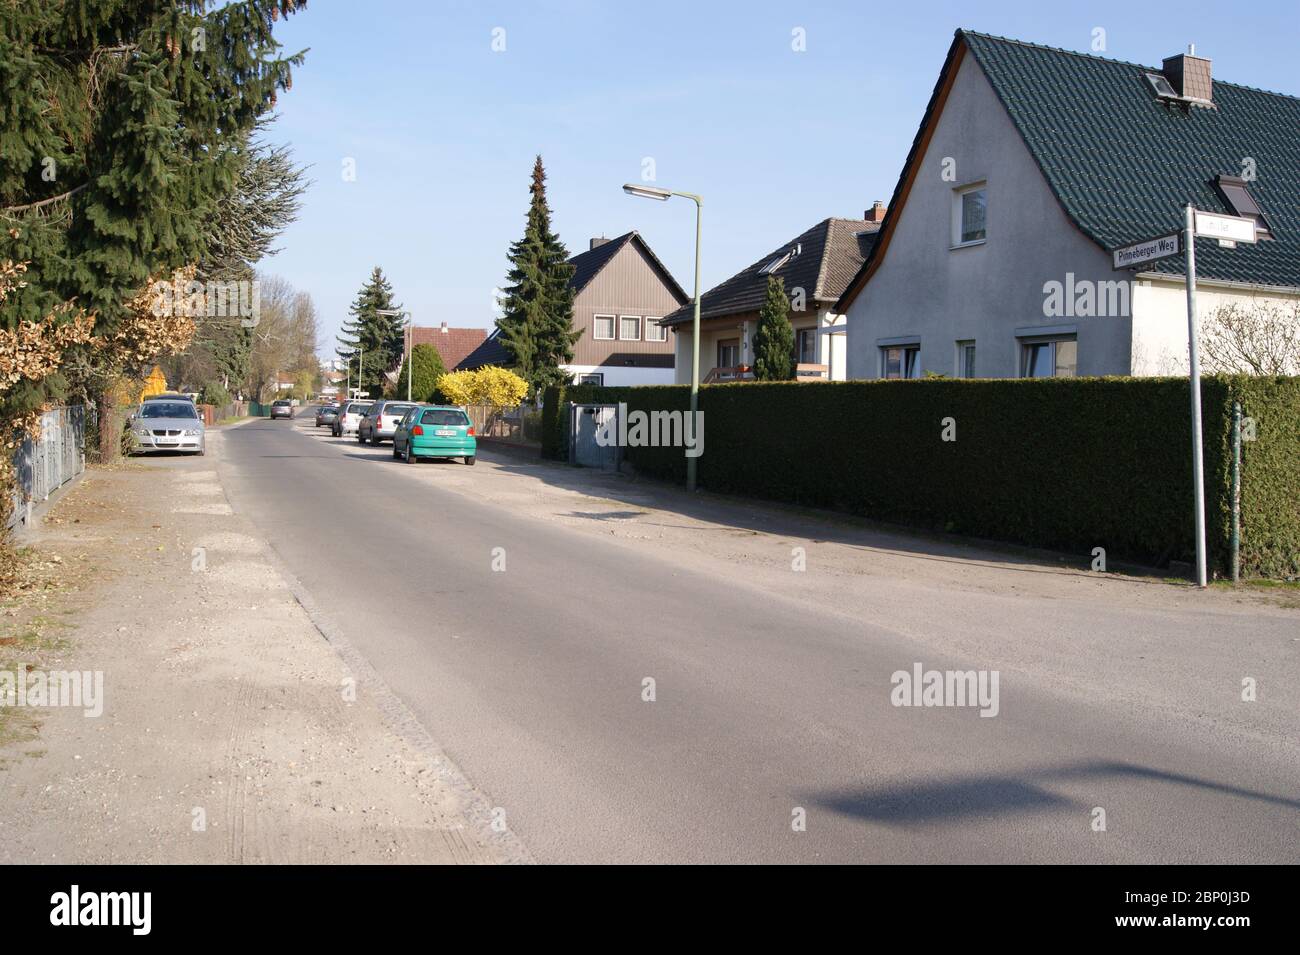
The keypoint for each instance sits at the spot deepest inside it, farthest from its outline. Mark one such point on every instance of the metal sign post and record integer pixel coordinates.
(1198, 476)
(1229, 230)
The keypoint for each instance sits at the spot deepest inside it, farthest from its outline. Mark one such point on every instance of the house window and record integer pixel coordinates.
(603, 328)
(969, 208)
(629, 328)
(654, 332)
(1049, 357)
(729, 353)
(966, 359)
(596, 379)
(900, 361)
(1241, 203)
(805, 346)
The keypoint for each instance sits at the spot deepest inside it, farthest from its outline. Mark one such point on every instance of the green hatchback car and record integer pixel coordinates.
(434, 431)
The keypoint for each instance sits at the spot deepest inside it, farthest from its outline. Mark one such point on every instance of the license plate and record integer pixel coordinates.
(168, 441)
(445, 434)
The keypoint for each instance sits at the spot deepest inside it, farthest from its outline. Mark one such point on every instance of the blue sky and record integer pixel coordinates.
(443, 129)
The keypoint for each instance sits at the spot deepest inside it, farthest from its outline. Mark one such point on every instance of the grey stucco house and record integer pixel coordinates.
(1030, 166)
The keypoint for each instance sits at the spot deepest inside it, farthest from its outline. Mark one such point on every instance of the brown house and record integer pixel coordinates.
(815, 267)
(620, 292)
(453, 344)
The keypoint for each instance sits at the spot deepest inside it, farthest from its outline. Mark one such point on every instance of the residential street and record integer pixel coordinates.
(772, 686)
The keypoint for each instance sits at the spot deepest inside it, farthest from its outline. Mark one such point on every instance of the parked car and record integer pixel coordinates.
(167, 426)
(382, 420)
(170, 396)
(435, 431)
(325, 415)
(349, 417)
(282, 409)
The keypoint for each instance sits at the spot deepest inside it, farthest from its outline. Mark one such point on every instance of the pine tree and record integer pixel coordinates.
(370, 338)
(774, 339)
(537, 327)
(123, 126)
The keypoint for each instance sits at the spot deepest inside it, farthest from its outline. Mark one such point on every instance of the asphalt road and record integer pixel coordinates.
(768, 708)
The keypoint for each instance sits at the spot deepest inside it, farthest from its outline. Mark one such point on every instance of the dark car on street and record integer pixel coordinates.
(326, 415)
(382, 420)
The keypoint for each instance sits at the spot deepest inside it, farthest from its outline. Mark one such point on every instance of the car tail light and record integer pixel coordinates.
(418, 431)
(470, 432)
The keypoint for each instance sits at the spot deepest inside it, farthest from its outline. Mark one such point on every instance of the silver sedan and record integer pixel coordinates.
(167, 426)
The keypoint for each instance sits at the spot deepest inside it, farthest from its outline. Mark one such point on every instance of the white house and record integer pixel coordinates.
(1032, 165)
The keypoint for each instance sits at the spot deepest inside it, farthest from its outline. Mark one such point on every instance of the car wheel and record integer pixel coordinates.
(396, 454)
(470, 460)
(410, 458)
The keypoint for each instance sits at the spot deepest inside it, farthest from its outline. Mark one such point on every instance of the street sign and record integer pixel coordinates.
(1211, 225)
(1148, 250)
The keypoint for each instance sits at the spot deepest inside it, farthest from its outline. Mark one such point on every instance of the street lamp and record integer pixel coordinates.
(406, 344)
(654, 192)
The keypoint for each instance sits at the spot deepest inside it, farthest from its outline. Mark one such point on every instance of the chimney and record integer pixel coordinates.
(1189, 75)
(444, 328)
(597, 242)
(876, 213)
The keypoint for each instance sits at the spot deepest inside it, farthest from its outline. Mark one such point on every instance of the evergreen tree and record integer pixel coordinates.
(428, 369)
(370, 339)
(774, 339)
(123, 126)
(537, 327)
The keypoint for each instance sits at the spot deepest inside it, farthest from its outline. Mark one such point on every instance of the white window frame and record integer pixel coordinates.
(613, 328)
(1024, 344)
(962, 345)
(958, 195)
(652, 322)
(912, 348)
(625, 338)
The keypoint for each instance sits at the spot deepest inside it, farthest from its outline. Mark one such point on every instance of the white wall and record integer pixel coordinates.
(1160, 319)
(925, 288)
(622, 375)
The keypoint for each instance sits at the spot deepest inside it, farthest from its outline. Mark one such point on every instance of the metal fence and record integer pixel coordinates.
(46, 464)
(521, 425)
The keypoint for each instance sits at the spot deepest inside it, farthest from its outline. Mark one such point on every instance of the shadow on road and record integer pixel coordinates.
(967, 797)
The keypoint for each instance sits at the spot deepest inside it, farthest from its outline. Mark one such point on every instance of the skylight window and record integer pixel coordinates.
(1164, 89)
(775, 264)
(1240, 202)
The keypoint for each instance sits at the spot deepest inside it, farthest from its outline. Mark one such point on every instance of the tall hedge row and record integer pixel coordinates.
(1069, 464)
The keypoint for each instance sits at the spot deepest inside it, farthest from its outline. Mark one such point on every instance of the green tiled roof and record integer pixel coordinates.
(1123, 164)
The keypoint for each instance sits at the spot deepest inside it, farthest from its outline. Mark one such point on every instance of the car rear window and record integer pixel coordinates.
(442, 416)
(397, 410)
(358, 409)
(282, 402)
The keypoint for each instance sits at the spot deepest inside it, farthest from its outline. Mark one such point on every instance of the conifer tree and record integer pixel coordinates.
(774, 339)
(123, 124)
(537, 327)
(371, 339)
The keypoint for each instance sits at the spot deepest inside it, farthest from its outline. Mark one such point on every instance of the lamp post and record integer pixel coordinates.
(406, 344)
(663, 195)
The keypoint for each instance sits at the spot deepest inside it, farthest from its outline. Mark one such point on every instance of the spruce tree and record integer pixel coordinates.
(537, 325)
(370, 338)
(774, 339)
(123, 125)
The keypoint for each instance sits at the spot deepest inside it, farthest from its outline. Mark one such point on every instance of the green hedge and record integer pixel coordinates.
(1069, 464)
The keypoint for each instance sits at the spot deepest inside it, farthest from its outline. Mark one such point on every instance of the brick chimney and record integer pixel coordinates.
(597, 242)
(1189, 75)
(876, 213)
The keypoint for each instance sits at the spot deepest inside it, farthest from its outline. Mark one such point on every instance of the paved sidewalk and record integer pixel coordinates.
(232, 731)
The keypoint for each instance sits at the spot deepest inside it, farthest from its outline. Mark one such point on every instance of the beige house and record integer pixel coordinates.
(816, 267)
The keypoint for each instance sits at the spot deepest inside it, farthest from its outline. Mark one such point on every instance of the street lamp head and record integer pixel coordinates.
(388, 311)
(647, 192)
